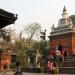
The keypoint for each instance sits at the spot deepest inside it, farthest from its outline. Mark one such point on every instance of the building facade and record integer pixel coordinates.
(63, 34)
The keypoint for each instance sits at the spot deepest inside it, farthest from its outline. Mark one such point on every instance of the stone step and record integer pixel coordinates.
(69, 64)
(67, 70)
(69, 58)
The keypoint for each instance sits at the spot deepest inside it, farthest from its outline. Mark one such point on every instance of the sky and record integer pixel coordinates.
(45, 12)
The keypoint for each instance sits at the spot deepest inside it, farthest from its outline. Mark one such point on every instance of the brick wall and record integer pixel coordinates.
(65, 40)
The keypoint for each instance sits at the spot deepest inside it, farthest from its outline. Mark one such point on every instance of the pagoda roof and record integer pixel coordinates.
(6, 18)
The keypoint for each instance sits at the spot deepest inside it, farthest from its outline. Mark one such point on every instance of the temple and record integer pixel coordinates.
(63, 34)
(6, 18)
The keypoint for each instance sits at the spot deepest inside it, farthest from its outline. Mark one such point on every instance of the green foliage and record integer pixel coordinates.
(36, 45)
(22, 47)
(25, 45)
(44, 48)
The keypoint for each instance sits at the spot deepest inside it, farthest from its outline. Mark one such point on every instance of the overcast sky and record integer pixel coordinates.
(45, 12)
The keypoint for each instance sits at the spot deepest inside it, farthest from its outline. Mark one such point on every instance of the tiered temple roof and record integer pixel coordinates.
(64, 24)
(6, 18)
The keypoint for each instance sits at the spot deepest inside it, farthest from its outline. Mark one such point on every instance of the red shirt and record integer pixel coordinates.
(53, 53)
(62, 52)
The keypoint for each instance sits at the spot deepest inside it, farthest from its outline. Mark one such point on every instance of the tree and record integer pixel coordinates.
(20, 50)
(32, 30)
(21, 46)
(44, 48)
(5, 34)
(36, 45)
(6, 39)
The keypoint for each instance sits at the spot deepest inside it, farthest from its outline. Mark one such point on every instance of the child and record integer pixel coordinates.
(50, 66)
(55, 68)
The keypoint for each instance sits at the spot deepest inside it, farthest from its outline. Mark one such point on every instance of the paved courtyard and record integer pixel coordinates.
(12, 73)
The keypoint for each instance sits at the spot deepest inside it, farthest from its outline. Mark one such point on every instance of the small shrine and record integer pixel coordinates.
(33, 59)
(6, 18)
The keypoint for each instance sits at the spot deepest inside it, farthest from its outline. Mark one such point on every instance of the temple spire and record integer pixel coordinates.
(64, 9)
(64, 14)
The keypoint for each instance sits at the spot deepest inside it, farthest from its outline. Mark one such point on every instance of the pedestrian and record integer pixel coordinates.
(53, 53)
(55, 68)
(18, 69)
(5, 69)
(50, 57)
(50, 66)
(58, 55)
(65, 53)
